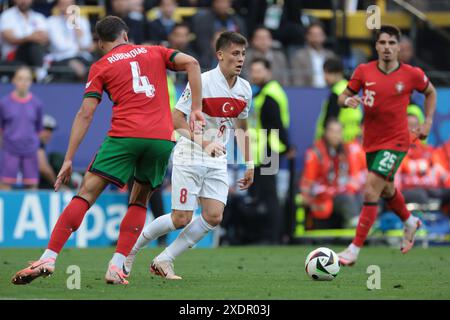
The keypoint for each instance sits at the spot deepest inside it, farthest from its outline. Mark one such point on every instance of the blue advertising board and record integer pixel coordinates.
(27, 219)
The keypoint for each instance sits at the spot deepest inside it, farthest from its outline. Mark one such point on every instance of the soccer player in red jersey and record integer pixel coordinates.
(139, 142)
(387, 85)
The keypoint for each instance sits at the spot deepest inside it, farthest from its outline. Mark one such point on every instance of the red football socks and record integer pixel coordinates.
(131, 228)
(68, 222)
(397, 204)
(366, 219)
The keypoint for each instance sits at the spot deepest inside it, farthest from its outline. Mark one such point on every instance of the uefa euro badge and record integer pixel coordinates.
(399, 86)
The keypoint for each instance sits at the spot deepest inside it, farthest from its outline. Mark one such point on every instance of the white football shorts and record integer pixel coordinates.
(191, 182)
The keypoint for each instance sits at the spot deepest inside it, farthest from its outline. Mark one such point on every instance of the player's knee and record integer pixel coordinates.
(212, 219)
(370, 194)
(181, 219)
(388, 192)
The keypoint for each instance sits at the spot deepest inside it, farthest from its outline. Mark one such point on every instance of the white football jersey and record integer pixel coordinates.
(221, 105)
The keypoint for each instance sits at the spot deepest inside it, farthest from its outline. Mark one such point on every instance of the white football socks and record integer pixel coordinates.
(191, 234)
(411, 221)
(155, 229)
(118, 259)
(354, 249)
(49, 254)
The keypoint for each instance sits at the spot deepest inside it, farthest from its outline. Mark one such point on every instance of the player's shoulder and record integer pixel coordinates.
(98, 65)
(208, 74)
(410, 68)
(13, 11)
(370, 65)
(211, 78)
(244, 84)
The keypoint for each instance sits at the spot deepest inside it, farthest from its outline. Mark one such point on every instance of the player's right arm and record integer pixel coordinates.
(424, 85)
(213, 149)
(349, 98)
(80, 126)
(184, 62)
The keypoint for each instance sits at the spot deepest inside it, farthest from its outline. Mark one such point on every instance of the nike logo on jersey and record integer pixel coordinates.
(368, 84)
(88, 84)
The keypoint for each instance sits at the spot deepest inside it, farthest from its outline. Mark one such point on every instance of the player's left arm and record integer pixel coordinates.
(243, 141)
(80, 127)
(430, 106)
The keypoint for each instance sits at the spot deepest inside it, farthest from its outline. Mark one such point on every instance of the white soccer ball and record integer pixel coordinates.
(322, 264)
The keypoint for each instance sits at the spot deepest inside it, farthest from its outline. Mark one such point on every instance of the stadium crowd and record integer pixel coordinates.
(60, 44)
(58, 47)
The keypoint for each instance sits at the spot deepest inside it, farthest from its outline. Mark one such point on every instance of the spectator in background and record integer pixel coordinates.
(262, 47)
(271, 113)
(194, 3)
(47, 175)
(137, 24)
(206, 23)
(420, 178)
(180, 39)
(282, 17)
(407, 54)
(70, 45)
(24, 36)
(441, 158)
(349, 118)
(162, 26)
(441, 155)
(21, 123)
(329, 183)
(307, 63)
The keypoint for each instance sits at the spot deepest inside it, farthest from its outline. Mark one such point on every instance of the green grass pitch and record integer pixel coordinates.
(237, 273)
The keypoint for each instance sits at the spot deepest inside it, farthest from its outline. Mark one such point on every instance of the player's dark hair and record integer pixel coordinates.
(227, 38)
(110, 27)
(390, 30)
(266, 63)
(333, 65)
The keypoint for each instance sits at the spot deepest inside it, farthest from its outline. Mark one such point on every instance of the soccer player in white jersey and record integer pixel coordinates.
(200, 168)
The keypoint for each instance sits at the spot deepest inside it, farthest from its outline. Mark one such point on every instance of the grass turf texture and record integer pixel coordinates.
(237, 273)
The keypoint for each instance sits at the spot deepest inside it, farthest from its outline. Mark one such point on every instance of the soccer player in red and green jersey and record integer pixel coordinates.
(387, 85)
(139, 142)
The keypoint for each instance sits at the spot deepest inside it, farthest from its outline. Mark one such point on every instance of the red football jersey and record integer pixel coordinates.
(135, 79)
(385, 99)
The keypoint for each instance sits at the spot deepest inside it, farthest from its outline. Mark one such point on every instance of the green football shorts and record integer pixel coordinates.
(385, 163)
(119, 158)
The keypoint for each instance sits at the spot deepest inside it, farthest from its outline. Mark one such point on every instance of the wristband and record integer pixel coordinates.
(345, 101)
(250, 165)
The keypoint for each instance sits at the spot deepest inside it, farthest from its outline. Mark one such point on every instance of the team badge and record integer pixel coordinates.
(186, 94)
(399, 86)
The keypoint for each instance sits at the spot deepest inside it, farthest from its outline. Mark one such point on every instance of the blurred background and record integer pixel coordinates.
(312, 48)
